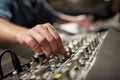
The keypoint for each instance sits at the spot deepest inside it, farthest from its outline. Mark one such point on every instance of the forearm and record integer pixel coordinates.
(62, 18)
(8, 31)
(82, 20)
(41, 38)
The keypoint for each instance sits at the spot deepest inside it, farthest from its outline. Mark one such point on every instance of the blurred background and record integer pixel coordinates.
(97, 8)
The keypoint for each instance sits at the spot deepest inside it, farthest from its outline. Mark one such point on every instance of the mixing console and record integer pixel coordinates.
(83, 59)
(80, 54)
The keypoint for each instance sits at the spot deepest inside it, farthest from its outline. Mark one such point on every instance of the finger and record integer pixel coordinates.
(50, 39)
(31, 42)
(41, 40)
(54, 33)
(50, 29)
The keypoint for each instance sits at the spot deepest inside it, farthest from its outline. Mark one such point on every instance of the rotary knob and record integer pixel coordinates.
(60, 58)
(52, 64)
(88, 48)
(85, 53)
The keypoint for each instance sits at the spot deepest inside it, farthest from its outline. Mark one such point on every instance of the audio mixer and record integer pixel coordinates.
(88, 56)
(79, 57)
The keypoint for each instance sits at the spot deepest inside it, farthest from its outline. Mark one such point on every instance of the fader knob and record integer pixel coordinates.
(70, 44)
(52, 64)
(82, 62)
(96, 40)
(88, 48)
(52, 61)
(35, 58)
(84, 53)
(92, 45)
(56, 59)
(67, 53)
(76, 44)
(70, 50)
(60, 58)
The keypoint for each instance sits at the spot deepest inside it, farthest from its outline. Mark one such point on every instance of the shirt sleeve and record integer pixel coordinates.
(52, 13)
(5, 9)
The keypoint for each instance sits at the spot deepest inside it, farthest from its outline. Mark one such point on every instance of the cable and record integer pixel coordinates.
(15, 61)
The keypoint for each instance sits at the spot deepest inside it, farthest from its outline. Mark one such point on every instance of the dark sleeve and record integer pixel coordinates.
(48, 14)
(5, 9)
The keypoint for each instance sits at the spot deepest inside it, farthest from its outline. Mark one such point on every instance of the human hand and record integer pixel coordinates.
(42, 39)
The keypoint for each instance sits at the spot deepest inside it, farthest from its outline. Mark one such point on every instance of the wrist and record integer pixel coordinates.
(20, 35)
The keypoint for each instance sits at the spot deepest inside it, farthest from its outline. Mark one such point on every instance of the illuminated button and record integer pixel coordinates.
(57, 76)
(68, 64)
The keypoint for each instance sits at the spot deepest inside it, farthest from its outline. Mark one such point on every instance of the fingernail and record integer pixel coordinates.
(48, 55)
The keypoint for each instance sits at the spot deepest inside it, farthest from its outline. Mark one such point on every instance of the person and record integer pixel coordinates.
(28, 22)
